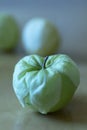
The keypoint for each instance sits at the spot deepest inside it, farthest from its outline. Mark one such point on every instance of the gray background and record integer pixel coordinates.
(70, 16)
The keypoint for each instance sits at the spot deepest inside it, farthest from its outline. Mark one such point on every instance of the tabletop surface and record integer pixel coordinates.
(14, 117)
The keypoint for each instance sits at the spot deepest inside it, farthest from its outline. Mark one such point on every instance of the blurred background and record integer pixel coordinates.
(70, 16)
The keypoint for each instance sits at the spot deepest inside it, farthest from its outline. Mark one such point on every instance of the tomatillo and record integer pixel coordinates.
(41, 36)
(9, 32)
(45, 84)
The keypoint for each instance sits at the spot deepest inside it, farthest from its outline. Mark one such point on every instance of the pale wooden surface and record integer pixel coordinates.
(14, 117)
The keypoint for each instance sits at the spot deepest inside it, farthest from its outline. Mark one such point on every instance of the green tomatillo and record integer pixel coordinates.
(45, 84)
(41, 37)
(9, 32)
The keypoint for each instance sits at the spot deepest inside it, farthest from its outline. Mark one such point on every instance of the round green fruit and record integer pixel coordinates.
(45, 84)
(40, 37)
(9, 32)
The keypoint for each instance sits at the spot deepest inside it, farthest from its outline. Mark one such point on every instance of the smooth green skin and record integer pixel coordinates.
(45, 85)
(9, 32)
(41, 37)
